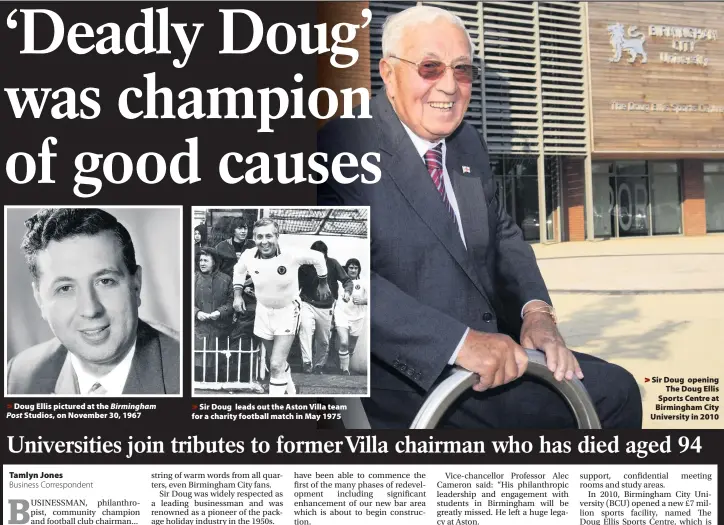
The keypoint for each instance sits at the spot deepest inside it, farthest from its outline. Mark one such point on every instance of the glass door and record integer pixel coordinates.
(714, 196)
(521, 176)
(632, 198)
(604, 214)
(604, 200)
(552, 185)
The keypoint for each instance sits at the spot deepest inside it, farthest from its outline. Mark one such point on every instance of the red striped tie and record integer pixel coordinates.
(433, 160)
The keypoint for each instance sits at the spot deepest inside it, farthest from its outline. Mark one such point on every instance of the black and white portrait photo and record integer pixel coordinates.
(281, 301)
(93, 301)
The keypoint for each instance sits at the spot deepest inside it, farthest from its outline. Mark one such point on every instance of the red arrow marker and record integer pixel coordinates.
(646, 380)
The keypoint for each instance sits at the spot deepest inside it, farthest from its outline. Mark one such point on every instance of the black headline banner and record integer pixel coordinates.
(238, 444)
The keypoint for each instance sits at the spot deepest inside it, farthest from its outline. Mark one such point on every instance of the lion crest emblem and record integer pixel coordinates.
(633, 44)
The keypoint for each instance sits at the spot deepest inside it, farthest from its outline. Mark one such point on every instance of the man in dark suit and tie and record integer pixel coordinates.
(88, 287)
(453, 282)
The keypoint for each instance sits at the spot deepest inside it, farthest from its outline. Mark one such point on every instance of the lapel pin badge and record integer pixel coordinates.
(466, 169)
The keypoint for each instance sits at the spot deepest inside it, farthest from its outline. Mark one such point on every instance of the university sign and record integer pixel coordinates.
(683, 40)
(664, 107)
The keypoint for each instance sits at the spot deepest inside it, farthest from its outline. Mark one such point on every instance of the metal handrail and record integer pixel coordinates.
(459, 380)
(445, 394)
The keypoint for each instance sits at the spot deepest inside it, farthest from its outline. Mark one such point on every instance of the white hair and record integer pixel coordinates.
(395, 26)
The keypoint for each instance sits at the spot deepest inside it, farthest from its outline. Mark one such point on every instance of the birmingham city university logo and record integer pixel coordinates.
(633, 44)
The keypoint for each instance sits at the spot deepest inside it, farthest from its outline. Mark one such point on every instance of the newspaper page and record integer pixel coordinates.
(274, 263)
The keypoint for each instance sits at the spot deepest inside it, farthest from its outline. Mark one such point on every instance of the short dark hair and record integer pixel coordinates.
(237, 222)
(57, 224)
(320, 247)
(352, 261)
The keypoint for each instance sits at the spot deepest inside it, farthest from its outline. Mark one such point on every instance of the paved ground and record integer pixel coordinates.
(654, 306)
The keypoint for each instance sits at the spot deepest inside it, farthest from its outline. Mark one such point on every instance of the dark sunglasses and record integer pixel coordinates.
(434, 69)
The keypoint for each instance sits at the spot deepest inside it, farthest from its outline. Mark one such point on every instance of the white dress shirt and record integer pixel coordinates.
(422, 146)
(114, 381)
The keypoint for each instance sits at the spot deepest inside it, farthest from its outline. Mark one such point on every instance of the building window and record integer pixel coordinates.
(665, 197)
(604, 202)
(632, 199)
(516, 180)
(714, 196)
(636, 198)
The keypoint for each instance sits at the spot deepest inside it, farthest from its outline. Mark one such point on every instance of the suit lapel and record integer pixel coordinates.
(67, 382)
(471, 199)
(146, 373)
(469, 194)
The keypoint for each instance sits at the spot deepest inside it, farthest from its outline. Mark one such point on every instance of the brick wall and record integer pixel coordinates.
(573, 199)
(356, 76)
(693, 197)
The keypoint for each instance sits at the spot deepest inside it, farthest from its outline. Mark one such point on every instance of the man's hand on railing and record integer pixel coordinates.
(539, 331)
(496, 358)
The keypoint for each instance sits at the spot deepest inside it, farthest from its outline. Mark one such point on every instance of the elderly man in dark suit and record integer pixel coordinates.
(88, 285)
(453, 282)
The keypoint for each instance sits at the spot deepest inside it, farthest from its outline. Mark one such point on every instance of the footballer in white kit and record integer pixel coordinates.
(349, 316)
(275, 275)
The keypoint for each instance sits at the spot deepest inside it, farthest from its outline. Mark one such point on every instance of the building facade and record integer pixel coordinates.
(602, 119)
